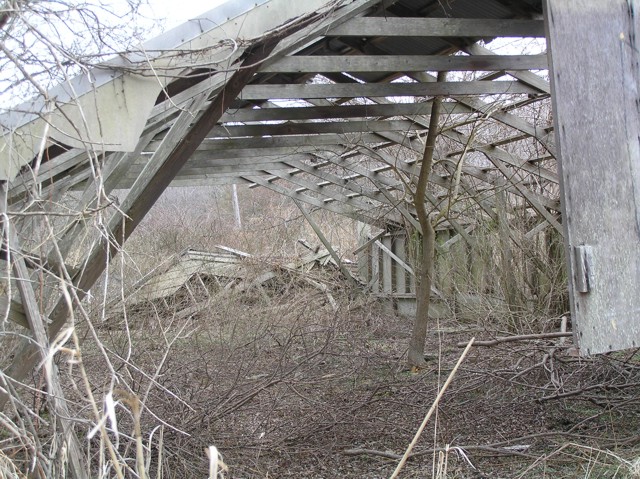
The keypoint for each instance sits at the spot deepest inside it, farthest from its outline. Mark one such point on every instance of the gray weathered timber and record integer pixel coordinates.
(405, 63)
(47, 171)
(387, 265)
(510, 120)
(596, 96)
(210, 171)
(97, 188)
(301, 39)
(380, 181)
(437, 27)
(13, 311)
(268, 151)
(202, 160)
(357, 90)
(491, 180)
(222, 146)
(36, 322)
(346, 111)
(513, 121)
(313, 128)
(396, 258)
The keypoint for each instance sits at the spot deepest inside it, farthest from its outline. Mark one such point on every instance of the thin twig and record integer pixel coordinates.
(523, 337)
(407, 453)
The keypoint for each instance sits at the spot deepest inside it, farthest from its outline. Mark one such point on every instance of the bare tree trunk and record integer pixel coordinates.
(424, 275)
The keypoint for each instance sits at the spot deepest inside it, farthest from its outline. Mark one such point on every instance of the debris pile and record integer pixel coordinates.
(202, 276)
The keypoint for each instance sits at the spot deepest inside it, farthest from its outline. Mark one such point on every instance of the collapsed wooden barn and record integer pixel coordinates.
(328, 103)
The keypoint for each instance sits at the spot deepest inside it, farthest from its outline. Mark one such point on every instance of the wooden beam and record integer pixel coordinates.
(437, 27)
(491, 180)
(202, 159)
(219, 148)
(338, 16)
(313, 128)
(112, 172)
(395, 257)
(511, 120)
(269, 151)
(358, 90)
(471, 170)
(378, 179)
(204, 169)
(330, 112)
(596, 100)
(405, 63)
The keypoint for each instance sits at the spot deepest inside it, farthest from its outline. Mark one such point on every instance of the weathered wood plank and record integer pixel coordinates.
(268, 152)
(202, 159)
(437, 27)
(387, 265)
(327, 112)
(347, 184)
(219, 146)
(203, 171)
(357, 90)
(194, 181)
(596, 97)
(313, 128)
(470, 105)
(396, 258)
(405, 63)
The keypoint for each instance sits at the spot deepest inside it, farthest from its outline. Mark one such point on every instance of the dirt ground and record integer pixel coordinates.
(284, 386)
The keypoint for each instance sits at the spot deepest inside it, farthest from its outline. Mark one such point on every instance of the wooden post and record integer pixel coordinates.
(400, 272)
(595, 71)
(387, 265)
